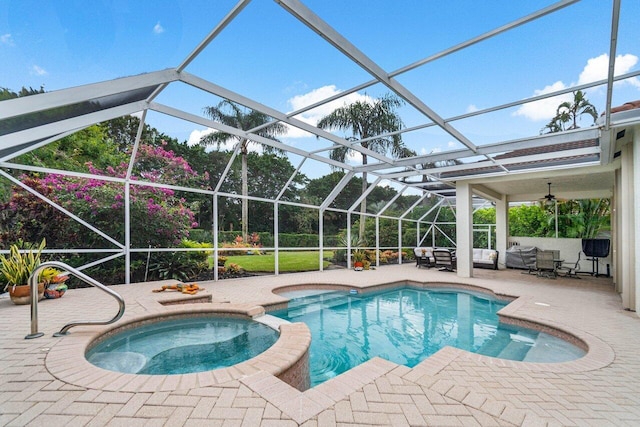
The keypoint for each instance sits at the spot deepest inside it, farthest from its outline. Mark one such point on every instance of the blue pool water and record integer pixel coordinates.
(183, 345)
(407, 325)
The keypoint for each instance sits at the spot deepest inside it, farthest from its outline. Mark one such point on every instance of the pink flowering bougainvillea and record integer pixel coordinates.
(159, 217)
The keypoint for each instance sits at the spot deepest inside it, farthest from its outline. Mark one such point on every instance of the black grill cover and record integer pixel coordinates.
(597, 248)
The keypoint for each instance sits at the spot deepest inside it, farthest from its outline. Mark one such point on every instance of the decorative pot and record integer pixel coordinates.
(21, 295)
(358, 266)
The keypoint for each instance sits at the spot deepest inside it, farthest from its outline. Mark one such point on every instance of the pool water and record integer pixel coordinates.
(184, 345)
(407, 325)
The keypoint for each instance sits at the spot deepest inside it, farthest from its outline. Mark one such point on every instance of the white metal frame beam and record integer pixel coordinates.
(336, 190)
(364, 195)
(481, 149)
(392, 201)
(497, 148)
(531, 17)
(235, 97)
(60, 98)
(615, 18)
(238, 132)
(78, 122)
(310, 19)
(557, 155)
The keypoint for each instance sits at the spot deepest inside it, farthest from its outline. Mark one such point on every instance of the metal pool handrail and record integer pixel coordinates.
(33, 285)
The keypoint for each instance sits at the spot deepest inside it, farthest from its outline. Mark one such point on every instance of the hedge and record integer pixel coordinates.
(286, 240)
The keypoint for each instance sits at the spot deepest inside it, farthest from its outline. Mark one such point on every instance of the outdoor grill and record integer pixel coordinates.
(595, 249)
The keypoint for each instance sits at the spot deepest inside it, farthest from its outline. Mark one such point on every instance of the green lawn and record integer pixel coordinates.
(289, 261)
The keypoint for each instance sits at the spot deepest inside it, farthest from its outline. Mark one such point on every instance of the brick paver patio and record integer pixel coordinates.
(39, 378)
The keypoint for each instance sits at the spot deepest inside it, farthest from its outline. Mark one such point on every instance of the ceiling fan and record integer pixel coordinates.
(549, 198)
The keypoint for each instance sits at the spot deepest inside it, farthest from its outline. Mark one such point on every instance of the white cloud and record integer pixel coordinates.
(6, 39)
(439, 149)
(472, 108)
(158, 29)
(313, 116)
(544, 109)
(38, 71)
(595, 69)
(196, 135)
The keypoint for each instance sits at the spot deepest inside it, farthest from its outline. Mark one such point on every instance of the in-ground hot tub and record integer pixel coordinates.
(179, 345)
(287, 359)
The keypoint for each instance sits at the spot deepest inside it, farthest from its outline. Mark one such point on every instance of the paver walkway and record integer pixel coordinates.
(450, 388)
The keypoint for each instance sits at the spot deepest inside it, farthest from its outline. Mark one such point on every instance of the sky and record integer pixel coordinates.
(267, 55)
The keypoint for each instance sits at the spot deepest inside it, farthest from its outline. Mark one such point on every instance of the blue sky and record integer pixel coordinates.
(267, 55)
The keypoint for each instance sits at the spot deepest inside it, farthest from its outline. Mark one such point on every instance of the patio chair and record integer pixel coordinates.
(529, 264)
(445, 260)
(546, 265)
(424, 256)
(570, 269)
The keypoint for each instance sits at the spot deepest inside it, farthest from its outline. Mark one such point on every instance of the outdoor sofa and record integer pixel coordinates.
(482, 258)
(485, 258)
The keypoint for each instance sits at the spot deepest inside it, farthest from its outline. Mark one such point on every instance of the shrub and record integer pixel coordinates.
(408, 254)
(181, 266)
(253, 244)
(203, 255)
(370, 255)
(158, 217)
(340, 255)
(298, 240)
(200, 235)
(234, 268)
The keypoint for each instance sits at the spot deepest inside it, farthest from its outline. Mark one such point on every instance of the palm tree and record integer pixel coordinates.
(583, 218)
(555, 125)
(232, 114)
(570, 112)
(368, 120)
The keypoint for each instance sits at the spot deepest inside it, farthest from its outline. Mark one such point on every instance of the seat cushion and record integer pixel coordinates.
(428, 251)
(488, 254)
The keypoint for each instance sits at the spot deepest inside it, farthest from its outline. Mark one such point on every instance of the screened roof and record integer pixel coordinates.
(466, 87)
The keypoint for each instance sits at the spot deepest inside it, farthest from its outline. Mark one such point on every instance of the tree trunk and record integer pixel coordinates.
(245, 193)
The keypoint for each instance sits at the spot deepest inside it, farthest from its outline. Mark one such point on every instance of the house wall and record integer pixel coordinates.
(568, 248)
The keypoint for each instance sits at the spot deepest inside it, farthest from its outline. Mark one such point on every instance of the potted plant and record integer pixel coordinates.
(16, 268)
(358, 258)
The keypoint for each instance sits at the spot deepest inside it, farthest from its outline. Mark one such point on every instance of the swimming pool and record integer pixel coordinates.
(407, 325)
(183, 345)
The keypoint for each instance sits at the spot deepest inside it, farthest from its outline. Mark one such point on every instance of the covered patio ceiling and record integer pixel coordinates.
(578, 163)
